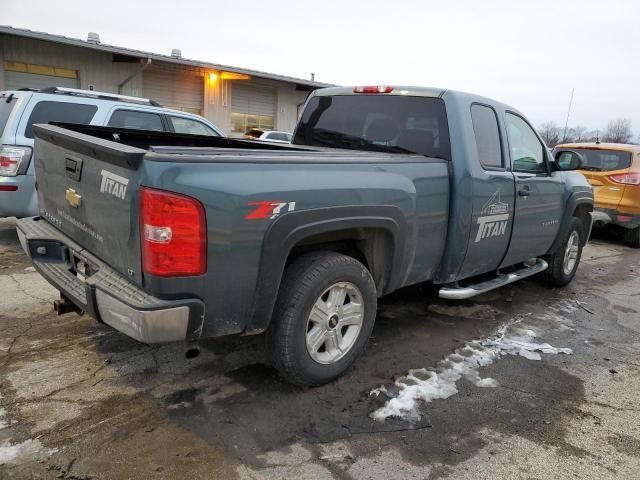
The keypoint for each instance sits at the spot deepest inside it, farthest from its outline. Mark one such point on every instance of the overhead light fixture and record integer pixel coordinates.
(234, 76)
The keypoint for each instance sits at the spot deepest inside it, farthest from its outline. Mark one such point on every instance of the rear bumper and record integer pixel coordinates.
(104, 293)
(605, 216)
(21, 202)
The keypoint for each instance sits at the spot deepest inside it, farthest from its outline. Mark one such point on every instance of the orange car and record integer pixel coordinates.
(613, 170)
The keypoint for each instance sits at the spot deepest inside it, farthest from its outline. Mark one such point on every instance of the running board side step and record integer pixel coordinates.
(461, 293)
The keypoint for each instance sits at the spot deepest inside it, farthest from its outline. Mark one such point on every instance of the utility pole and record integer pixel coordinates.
(566, 123)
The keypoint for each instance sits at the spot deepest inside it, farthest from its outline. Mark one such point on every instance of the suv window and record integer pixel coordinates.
(527, 152)
(192, 127)
(604, 160)
(379, 123)
(136, 120)
(47, 111)
(485, 128)
(278, 136)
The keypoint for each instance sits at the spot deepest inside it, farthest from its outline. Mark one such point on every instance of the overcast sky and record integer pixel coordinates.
(529, 56)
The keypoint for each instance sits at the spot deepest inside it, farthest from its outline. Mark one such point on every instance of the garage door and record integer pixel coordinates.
(251, 107)
(174, 89)
(23, 75)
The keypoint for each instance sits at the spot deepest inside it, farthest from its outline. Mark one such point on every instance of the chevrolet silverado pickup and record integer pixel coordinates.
(169, 237)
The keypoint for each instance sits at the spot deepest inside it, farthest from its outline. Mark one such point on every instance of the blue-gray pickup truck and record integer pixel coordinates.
(169, 237)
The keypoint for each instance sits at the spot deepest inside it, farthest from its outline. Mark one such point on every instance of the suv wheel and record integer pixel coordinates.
(632, 237)
(564, 262)
(324, 315)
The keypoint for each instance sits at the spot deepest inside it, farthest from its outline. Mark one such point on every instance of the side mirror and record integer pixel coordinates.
(567, 160)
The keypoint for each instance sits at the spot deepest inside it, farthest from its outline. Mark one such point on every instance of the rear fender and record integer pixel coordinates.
(291, 229)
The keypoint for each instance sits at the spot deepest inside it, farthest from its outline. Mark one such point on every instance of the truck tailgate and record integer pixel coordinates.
(87, 188)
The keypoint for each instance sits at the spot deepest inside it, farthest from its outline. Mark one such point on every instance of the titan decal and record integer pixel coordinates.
(493, 218)
(113, 184)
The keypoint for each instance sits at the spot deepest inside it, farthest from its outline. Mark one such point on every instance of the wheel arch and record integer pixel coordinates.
(580, 205)
(372, 234)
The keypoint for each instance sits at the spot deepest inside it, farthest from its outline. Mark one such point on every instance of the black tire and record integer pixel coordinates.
(304, 281)
(632, 237)
(555, 275)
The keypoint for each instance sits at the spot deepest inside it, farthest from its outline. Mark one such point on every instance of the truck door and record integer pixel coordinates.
(539, 193)
(492, 195)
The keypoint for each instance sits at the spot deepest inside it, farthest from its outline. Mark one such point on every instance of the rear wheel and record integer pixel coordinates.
(632, 237)
(563, 264)
(324, 315)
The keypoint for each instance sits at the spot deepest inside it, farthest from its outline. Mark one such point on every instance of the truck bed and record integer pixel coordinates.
(89, 179)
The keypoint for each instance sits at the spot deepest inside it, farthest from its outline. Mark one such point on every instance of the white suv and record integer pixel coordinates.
(268, 135)
(20, 109)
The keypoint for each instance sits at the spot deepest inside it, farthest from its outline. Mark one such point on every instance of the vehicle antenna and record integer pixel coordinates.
(566, 123)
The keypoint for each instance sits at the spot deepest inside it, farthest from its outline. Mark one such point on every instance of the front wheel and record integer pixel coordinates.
(563, 264)
(323, 318)
(632, 237)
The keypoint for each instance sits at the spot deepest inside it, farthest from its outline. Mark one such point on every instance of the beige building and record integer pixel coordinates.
(235, 99)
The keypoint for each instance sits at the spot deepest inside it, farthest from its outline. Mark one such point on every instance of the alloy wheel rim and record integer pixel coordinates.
(571, 253)
(334, 322)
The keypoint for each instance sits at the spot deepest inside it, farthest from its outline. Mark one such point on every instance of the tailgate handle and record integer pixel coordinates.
(73, 167)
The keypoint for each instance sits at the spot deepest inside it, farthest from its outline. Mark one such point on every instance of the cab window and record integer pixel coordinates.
(191, 127)
(527, 152)
(136, 120)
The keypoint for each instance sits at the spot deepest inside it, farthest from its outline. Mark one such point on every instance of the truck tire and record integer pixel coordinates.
(632, 237)
(323, 317)
(563, 264)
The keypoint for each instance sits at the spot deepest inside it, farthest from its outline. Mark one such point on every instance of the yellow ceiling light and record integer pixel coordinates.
(234, 76)
(213, 76)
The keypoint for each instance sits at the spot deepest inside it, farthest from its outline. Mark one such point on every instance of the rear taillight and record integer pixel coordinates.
(373, 89)
(632, 178)
(173, 232)
(12, 158)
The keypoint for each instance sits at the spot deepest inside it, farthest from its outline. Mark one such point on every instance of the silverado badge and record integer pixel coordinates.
(72, 197)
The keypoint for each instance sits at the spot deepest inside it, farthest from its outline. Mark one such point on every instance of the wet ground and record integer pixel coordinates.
(79, 400)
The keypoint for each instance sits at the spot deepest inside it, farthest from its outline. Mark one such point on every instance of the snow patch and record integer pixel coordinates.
(28, 450)
(3, 421)
(426, 385)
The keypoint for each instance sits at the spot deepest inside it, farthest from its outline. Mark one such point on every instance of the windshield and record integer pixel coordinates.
(5, 110)
(604, 160)
(379, 123)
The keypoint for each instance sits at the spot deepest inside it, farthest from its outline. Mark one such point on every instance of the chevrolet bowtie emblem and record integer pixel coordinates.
(72, 197)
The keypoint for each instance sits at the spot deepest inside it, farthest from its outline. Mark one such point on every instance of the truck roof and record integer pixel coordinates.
(408, 90)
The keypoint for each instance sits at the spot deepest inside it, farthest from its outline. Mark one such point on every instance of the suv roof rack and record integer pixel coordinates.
(99, 95)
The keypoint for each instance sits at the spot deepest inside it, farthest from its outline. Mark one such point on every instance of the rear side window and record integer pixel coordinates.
(6, 108)
(485, 128)
(136, 120)
(379, 123)
(192, 127)
(604, 160)
(45, 112)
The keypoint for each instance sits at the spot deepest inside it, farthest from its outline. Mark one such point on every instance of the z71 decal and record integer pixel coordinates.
(269, 209)
(493, 219)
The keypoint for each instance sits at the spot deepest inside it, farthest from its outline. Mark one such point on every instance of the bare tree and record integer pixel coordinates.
(580, 133)
(550, 133)
(618, 131)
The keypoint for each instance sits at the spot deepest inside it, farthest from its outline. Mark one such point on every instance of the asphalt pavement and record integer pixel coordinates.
(525, 382)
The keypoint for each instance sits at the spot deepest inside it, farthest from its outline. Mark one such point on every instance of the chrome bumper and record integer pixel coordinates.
(107, 295)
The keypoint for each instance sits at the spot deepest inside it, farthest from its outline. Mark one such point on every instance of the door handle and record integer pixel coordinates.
(524, 191)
